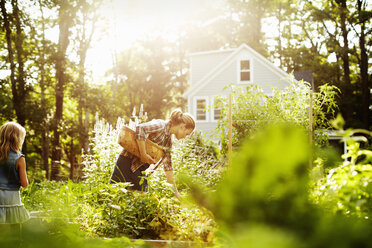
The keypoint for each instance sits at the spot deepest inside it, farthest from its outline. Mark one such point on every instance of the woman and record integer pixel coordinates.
(129, 168)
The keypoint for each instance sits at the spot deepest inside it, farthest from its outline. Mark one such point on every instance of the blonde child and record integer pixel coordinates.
(12, 174)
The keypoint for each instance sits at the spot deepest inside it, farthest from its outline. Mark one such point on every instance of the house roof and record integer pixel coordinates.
(226, 62)
(211, 52)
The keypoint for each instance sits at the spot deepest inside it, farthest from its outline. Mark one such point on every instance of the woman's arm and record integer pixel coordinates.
(146, 128)
(141, 131)
(21, 166)
(170, 179)
(145, 158)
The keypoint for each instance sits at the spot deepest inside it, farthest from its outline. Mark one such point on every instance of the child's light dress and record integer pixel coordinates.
(12, 210)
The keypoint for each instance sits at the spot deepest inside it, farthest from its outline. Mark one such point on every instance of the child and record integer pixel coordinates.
(12, 174)
(129, 168)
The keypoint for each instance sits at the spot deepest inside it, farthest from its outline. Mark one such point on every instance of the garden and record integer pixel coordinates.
(280, 91)
(268, 197)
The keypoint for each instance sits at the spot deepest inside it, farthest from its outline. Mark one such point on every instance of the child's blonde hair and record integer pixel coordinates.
(12, 136)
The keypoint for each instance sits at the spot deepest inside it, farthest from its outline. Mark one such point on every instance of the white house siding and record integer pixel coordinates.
(204, 63)
(221, 79)
(211, 89)
(206, 128)
(266, 78)
(262, 73)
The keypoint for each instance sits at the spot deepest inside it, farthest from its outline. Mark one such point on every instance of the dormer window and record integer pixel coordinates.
(245, 71)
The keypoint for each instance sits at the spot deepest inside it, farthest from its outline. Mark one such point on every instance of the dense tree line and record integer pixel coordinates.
(49, 89)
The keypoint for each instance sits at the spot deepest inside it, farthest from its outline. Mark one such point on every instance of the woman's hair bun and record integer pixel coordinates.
(177, 117)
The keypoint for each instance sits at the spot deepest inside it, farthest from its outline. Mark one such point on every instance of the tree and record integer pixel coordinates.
(83, 32)
(249, 28)
(66, 15)
(44, 50)
(145, 79)
(344, 22)
(363, 18)
(17, 55)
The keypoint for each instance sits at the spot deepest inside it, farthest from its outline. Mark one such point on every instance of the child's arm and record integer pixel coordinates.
(21, 166)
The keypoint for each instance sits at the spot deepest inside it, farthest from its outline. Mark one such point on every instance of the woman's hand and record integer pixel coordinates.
(150, 170)
(145, 158)
(170, 179)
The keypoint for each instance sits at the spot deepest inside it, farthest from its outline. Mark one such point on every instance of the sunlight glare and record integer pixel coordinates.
(129, 21)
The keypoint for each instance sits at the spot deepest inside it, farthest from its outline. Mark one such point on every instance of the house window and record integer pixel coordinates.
(217, 107)
(201, 105)
(245, 70)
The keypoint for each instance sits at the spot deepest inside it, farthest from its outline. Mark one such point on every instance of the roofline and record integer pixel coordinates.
(200, 84)
(265, 60)
(206, 76)
(210, 52)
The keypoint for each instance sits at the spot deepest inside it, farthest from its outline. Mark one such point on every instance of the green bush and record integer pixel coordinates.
(58, 234)
(347, 188)
(264, 199)
(252, 110)
(103, 153)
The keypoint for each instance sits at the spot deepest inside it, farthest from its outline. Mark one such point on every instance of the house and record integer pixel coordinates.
(211, 71)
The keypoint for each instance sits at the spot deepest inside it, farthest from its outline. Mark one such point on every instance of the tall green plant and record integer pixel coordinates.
(252, 110)
(263, 201)
(103, 153)
(347, 187)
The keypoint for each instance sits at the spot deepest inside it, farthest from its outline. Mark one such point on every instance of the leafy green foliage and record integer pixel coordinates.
(199, 159)
(263, 200)
(267, 177)
(38, 233)
(104, 150)
(253, 110)
(111, 210)
(347, 187)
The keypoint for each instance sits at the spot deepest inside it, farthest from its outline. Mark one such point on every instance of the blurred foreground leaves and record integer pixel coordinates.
(264, 199)
(37, 233)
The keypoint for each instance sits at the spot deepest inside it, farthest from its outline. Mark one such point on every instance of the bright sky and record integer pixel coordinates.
(131, 19)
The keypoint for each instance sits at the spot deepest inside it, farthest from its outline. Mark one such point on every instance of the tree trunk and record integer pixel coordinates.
(66, 15)
(345, 59)
(83, 94)
(364, 72)
(280, 34)
(84, 45)
(19, 103)
(72, 159)
(45, 123)
(45, 149)
(10, 50)
(86, 127)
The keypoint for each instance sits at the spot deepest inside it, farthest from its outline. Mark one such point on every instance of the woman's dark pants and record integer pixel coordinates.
(123, 173)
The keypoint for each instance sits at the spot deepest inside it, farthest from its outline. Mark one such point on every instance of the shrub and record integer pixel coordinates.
(347, 188)
(252, 110)
(264, 201)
